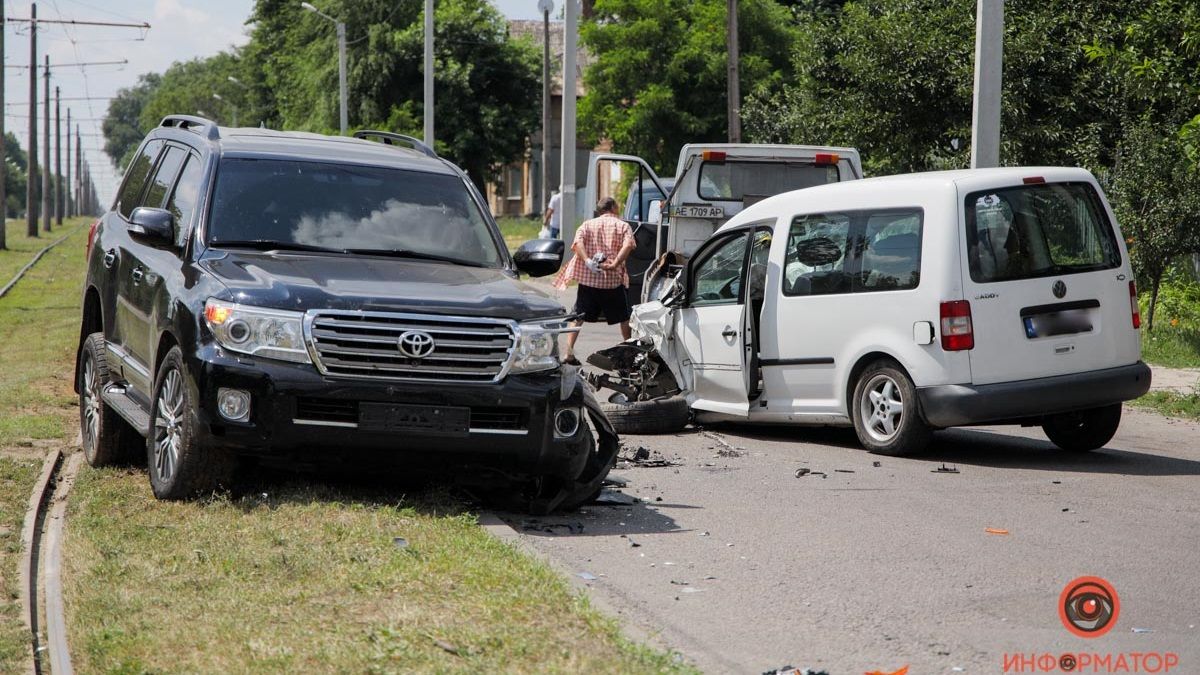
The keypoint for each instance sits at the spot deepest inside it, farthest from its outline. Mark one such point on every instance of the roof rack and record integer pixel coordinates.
(196, 125)
(389, 138)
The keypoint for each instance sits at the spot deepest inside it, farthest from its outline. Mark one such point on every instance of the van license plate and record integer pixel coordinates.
(699, 211)
(1069, 322)
(419, 418)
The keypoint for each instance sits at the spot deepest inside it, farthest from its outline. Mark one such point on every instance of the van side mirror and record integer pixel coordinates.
(155, 226)
(539, 257)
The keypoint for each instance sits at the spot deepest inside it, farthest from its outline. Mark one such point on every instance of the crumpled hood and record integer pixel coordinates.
(303, 281)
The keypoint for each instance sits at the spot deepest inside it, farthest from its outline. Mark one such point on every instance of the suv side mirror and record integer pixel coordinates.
(540, 257)
(156, 226)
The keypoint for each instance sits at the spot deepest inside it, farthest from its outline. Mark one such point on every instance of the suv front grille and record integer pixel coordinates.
(368, 344)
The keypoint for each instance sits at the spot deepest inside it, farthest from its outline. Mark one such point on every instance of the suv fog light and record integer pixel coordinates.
(234, 404)
(566, 422)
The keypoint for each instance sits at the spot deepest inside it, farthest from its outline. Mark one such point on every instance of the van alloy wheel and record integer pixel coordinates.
(882, 408)
(168, 426)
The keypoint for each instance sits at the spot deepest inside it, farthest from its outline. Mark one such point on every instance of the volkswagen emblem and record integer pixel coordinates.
(1059, 289)
(416, 344)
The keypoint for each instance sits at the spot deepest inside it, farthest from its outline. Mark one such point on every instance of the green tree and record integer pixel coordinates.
(1156, 195)
(658, 80)
(188, 87)
(122, 126)
(15, 175)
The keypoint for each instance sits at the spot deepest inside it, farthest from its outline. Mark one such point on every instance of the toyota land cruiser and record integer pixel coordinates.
(296, 297)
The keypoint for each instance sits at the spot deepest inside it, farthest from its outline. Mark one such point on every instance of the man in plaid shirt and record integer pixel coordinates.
(601, 246)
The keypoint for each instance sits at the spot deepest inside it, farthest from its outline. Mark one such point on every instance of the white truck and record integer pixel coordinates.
(713, 183)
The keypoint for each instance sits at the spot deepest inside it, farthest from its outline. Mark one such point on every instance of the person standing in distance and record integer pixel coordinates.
(553, 218)
(601, 247)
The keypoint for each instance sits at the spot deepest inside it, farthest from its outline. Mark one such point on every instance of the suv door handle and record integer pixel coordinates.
(729, 333)
(110, 258)
(137, 274)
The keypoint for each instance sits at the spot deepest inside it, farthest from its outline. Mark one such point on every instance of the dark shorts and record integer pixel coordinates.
(612, 303)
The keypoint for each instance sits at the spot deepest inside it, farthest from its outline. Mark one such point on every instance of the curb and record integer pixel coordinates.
(56, 618)
(38, 256)
(29, 559)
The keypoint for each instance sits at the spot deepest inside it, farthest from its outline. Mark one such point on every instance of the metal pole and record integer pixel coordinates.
(67, 180)
(341, 35)
(3, 153)
(31, 191)
(429, 73)
(570, 29)
(733, 85)
(58, 188)
(989, 66)
(47, 187)
(78, 173)
(545, 110)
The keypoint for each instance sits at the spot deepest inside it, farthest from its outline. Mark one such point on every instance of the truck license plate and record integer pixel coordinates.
(699, 211)
(419, 418)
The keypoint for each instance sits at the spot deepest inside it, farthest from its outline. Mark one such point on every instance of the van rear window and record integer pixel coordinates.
(734, 180)
(1038, 230)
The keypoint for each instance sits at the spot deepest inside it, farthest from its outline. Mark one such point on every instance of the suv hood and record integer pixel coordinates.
(303, 281)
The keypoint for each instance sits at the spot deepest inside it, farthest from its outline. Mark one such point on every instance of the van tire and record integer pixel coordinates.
(656, 416)
(880, 384)
(1083, 430)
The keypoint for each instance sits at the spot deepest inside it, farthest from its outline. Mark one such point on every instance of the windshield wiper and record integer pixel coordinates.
(416, 255)
(272, 245)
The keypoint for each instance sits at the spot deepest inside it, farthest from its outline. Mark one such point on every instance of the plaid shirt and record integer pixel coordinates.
(606, 234)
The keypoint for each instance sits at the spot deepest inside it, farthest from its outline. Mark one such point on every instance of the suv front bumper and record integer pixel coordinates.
(956, 405)
(297, 412)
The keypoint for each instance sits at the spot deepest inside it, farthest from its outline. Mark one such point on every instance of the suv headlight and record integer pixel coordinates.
(270, 333)
(537, 345)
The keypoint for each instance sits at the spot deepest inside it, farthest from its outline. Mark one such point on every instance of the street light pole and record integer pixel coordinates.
(570, 28)
(341, 36)
(989, 67)
(428, 107)
(546, 6)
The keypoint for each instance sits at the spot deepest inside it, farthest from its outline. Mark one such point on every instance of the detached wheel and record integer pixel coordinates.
(885, 412)
(180, 466)
(656, 416)
(107, 439)
(1083, 430)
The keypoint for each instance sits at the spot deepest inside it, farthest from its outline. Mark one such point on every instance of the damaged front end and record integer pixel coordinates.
(644, 367)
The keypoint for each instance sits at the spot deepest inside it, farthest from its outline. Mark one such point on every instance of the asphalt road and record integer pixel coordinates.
(743, 567)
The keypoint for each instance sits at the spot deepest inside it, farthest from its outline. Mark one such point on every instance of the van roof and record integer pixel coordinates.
(901, 190)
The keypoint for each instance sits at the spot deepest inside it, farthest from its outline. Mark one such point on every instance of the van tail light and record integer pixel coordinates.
(91, 239)
(957, 332)
(1133, 305)
(825, 158)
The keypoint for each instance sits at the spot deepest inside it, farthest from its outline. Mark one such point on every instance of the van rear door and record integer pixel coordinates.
(1046, 279)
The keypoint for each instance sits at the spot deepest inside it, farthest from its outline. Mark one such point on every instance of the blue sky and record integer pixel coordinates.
(180, 30)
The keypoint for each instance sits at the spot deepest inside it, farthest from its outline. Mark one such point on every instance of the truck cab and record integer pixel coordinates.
(713, 183)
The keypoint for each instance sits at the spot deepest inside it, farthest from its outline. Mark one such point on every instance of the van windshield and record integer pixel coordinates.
(735, 180)
(349, 208)
(1037, 231)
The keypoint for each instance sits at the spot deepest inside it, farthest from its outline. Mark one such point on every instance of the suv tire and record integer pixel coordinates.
(886, 415)
(107, 438)
(179, 465)
(1083, 430)
(656, 416)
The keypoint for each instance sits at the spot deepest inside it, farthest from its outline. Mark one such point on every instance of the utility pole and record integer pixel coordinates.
(67, 179)
(58, 189)
(546, 6)
(3, 153)
(341, 36)
(78, 172)
(429, 73)
(570, 30)
(46, 185)
(733, 85)
(989, 68)
(31, 191)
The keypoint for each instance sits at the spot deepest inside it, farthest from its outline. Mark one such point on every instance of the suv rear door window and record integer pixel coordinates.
(135, 178)
(736, 180)
(349, 207)
(1038, 230)
(168, 168)
(183, 200)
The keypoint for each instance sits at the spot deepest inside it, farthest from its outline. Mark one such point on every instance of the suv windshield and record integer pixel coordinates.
(1038, 230)
(736, 180)
(343, 207)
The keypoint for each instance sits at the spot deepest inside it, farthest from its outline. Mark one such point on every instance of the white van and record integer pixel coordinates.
(898, 305)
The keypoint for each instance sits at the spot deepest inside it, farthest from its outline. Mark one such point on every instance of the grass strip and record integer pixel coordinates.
(1172, 403)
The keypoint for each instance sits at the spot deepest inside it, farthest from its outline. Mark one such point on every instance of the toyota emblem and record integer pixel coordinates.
(416, 344)
(1059, 289)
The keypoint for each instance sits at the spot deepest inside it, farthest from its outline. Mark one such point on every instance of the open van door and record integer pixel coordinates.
(634, 184)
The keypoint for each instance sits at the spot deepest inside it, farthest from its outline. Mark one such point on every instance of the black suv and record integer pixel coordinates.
(297, 298)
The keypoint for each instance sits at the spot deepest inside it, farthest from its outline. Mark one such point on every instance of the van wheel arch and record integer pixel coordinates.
(861, 365)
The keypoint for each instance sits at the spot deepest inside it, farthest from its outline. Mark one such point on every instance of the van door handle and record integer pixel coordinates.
(729, 333)
(137, 274)
(110, 258)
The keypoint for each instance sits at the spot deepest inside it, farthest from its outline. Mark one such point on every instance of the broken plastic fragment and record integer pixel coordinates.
(995, 530)
(586, 576)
